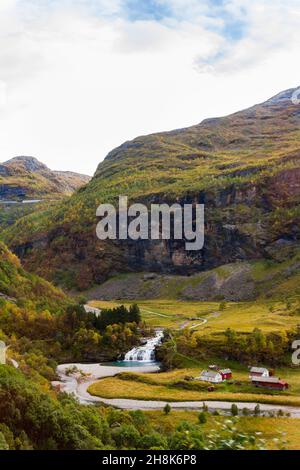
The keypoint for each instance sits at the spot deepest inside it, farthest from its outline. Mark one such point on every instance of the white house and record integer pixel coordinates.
(210, 376)
(259, 372)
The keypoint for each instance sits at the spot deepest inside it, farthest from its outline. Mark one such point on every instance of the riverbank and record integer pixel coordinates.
(78, 385)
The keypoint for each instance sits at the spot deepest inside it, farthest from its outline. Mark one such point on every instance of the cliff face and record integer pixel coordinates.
(245, 168)
(10, 192)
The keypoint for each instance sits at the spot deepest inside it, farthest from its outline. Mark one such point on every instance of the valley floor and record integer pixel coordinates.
(115, 392)
(139, 389)
(207, 319)
(240, 316)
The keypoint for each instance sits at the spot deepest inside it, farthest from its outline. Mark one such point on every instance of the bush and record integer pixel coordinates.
(202, 418)
(152, 441)
(126, 436)
(234, 410)
(167, 409)
(3, 443)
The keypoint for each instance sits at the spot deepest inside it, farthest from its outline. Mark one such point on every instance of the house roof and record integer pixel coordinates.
(209, 373)
(258, 370)
(225, 371)
(271, 380)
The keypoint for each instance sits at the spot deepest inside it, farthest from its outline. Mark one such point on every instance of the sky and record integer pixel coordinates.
(80, 77)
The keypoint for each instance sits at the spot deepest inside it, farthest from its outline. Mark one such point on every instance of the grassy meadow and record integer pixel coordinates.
(240, 316)
(286, 430)
(173, 386)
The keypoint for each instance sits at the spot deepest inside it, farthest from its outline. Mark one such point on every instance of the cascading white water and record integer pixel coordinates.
(146, 352)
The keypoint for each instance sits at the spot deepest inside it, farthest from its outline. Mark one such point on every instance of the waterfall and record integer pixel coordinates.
(145, 353)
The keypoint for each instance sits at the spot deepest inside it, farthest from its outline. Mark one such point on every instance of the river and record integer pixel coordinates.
(141, 359)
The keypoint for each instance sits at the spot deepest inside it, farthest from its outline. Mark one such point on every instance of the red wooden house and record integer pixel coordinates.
(273, 383)
(226, 374)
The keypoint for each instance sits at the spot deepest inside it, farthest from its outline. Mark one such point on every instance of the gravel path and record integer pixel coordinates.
(79, 388)
(94, 310)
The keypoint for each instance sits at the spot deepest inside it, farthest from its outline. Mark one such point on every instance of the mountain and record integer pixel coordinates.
(23, 288)
(27, 185)
(26, 177)
(244, 167)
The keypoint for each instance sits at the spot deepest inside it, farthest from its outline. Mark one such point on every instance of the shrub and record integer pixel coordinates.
(257, 410)
(152, 441)
(234, 410)
(3, 443)
(202, 418)
(126, 436)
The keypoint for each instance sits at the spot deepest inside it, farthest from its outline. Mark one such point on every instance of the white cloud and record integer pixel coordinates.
(80, 81)
(272, 29)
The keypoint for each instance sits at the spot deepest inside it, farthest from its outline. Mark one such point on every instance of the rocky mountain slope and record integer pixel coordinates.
(244, 167)
(239, 281)
(26, 177)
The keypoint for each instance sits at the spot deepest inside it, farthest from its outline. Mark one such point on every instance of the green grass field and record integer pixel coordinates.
(240, 316)
(286, 430)
(171, 386)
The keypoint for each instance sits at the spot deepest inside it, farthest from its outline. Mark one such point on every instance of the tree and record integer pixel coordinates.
(126, 436)
(187, 437)
(135, 314)
(202, 418)
(167, 409)
(117, 315)
(152, 441)
(234, 410)
(3, 443)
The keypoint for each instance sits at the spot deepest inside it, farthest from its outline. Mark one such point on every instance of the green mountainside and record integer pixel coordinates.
(244, 167)
(25, 177)
(25, 289)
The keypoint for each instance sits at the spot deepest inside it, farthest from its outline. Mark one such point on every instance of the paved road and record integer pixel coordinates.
(79, 389)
